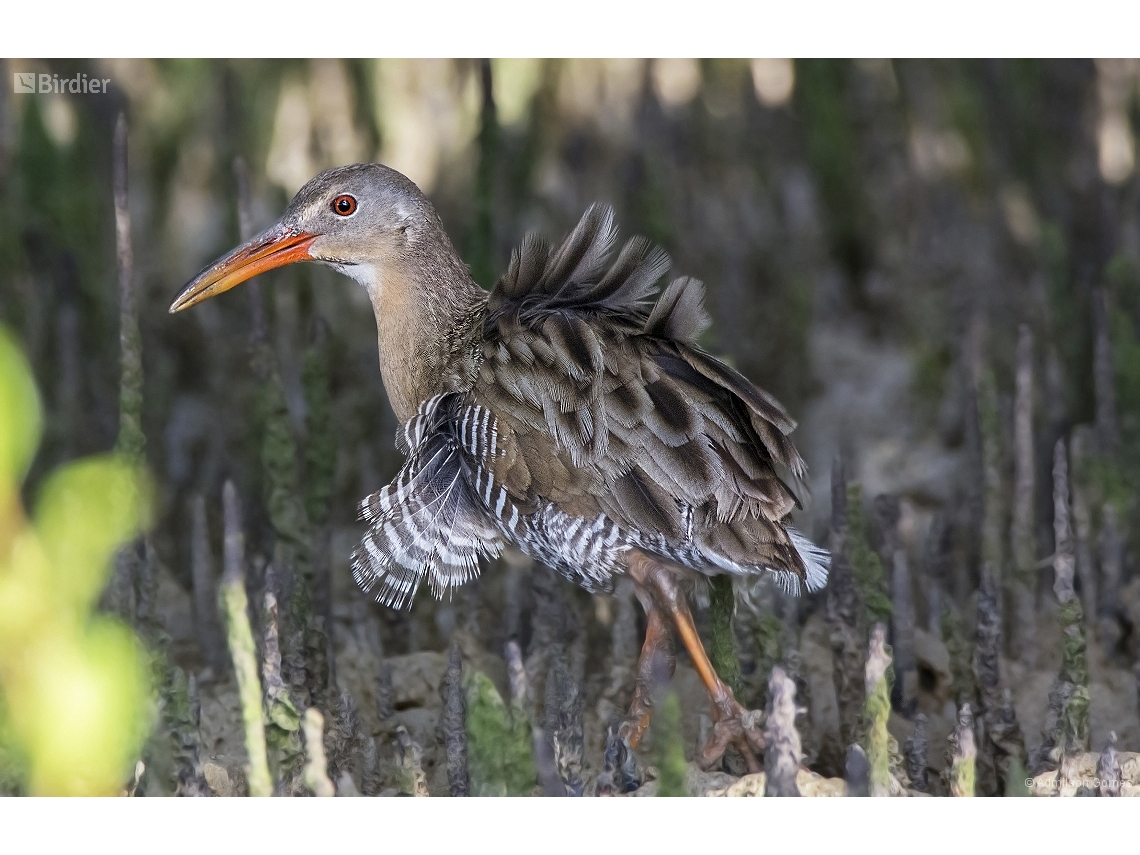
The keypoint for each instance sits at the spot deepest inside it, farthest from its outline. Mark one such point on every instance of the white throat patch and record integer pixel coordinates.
(365, 274)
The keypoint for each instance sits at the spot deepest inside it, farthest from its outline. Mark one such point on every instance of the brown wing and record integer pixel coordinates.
(604, 404)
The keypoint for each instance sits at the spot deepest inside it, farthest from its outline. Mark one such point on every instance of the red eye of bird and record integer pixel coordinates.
(344, 205)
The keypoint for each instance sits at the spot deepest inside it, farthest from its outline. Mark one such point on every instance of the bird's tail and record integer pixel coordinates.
(754, 592)
(816, 560)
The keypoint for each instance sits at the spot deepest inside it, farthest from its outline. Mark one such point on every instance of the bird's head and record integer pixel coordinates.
(363, 220)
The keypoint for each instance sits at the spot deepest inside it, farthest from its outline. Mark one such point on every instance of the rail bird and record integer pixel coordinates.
(569, 412)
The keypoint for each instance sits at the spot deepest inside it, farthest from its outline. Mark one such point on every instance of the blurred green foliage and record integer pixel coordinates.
(966, 108)
(500, 755)
(669, 748)
(870, 579)
(479, 249)
(1071, 321)
(722, 603)
(829, 143)
(21, 417)
(961, 655)
(933, 362)
(1123, 279)
(75, 702)
(769, 652)
(321, 440)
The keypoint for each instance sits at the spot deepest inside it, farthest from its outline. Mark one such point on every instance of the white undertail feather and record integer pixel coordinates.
(816, 559)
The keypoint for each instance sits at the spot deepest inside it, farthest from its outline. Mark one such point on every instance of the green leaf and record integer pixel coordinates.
(84, 711)
(21, 418)
(84, 512)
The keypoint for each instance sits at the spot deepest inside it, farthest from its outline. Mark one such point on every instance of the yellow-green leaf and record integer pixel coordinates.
(84, 512)
(21, 419)
(82, 711)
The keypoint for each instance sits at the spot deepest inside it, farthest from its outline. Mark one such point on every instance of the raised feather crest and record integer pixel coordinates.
(579, 277)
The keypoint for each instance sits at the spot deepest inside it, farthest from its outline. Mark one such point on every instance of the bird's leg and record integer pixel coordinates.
(654, 666)
(733, 723)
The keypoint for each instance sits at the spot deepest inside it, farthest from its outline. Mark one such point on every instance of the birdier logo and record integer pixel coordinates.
(29, 83)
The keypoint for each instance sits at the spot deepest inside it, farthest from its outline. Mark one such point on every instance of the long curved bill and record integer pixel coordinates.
(273, 248)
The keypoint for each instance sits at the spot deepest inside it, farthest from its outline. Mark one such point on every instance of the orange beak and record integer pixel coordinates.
(274, 248)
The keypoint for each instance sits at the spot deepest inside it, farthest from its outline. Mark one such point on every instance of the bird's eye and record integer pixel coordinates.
(344, 205)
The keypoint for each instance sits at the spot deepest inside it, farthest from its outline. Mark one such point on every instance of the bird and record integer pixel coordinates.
(569, 412)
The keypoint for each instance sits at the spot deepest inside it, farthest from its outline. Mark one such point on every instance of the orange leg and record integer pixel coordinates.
(734, 724)
(654, 665)
(620, 771)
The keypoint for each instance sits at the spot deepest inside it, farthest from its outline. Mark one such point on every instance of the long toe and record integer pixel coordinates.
(737, 726)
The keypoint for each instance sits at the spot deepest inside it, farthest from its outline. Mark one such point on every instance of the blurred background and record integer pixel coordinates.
(874, 236)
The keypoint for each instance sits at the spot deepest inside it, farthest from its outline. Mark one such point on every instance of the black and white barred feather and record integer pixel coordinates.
(428, 523)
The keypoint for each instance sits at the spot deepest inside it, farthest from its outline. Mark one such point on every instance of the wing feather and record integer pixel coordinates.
(613, 407)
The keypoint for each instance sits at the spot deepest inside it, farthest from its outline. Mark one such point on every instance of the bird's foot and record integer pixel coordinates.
(620, 771)
(734, 725)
